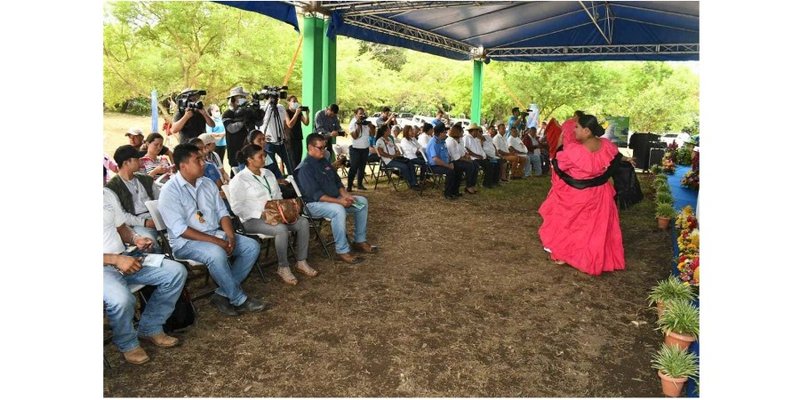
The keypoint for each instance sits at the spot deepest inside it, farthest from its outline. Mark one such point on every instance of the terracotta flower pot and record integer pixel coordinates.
(676, 339)
(672, 387)
(663, 223)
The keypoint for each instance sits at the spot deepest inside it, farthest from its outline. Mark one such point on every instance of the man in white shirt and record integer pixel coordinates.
(360, 131)
(516, 146)
(472, 143)
(121, 270)
(514, 161)
(460, 159)
(491, 154)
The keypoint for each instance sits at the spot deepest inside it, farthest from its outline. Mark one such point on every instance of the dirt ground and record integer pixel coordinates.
(460, 301)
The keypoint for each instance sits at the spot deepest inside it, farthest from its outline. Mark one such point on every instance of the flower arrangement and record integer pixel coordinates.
(683, 156)
(689, 269)
(688, 246)
(668, 163)
(691, 180)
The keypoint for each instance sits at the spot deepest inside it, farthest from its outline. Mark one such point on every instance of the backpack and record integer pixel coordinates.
(183, 315)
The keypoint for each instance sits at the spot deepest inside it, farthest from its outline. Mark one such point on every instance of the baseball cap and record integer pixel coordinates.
(134, 132)
(207, 138)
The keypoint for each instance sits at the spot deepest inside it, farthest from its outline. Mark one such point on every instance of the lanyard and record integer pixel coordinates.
(198, 213)
(265, 184)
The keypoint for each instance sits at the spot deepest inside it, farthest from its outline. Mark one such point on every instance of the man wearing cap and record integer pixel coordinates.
(191, 122)
(439, 161)
(199, 228)
(133, 189)
(472, 143)
(136, 139)
(326, 123)
(209, 147)
(239, 120)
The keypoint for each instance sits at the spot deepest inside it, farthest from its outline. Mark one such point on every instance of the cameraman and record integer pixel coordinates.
(326, 123)
(360, 131)
(386, 118)
(275, 125)
(296, 114)
(191, 119)
(239, 119)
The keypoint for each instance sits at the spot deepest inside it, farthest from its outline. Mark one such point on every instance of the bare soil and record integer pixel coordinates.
(460, 301)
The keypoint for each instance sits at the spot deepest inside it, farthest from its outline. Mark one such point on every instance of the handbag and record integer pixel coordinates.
(285, 211)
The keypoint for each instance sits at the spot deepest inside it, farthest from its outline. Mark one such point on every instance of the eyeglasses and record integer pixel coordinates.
(320, 148)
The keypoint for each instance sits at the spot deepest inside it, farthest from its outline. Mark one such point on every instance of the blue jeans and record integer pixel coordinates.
(149, 233)
(227, 275)
(407, 170)
(338, 214)
(535, 161)
(119, 302)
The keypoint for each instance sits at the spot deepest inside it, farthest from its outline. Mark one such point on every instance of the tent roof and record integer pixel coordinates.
(519, 31)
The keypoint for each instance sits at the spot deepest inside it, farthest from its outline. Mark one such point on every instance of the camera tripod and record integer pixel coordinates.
(273, 116)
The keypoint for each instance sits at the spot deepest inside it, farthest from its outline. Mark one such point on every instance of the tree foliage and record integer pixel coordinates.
(169, 46)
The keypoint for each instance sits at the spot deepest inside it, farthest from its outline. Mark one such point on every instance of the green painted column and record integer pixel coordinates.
(328, 70)
(477, 90)
(312, 70)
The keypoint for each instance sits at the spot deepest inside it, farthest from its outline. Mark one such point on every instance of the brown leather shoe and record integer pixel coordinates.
(364, 247)
(349, 258)
(136, 356)
(161, 340)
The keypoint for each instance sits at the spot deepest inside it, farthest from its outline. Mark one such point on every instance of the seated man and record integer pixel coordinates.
(194, 213)
(460, 158)
(120, 270)
(210, 170)
(133, 189)
(439, 161)
(491, 154)
(515, 146)
(515, 162)
(326, 197)
(472, 142)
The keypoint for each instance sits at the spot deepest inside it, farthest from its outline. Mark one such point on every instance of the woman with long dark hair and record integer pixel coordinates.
(580, 220)
(250, 190)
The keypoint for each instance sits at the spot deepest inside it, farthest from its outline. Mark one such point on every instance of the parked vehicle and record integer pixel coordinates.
(679, 138)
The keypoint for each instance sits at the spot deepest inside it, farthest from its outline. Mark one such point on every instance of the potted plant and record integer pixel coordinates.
(669, 289)
(675, 367)
(680, 323)
(664, 213)
(664, 197)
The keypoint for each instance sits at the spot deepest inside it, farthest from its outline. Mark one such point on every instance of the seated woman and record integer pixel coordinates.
(210, 170)
(412, 150)
(257, 138)
(152, 163)
(250, 190)
(391, 157)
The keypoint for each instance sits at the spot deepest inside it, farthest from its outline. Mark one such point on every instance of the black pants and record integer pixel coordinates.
(424, 168)
(296, 151)
(235, 142)
(452, 179)
(491, 172)
(358, 166)
(279, 149)
(469, 170)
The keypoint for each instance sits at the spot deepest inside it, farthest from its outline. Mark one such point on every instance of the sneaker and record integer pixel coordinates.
(251, 305)
(161, 340)
(223, 305)
(136, 356)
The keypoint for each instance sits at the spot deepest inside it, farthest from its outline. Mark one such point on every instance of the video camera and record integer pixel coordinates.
(185, 104)
(363, 121)
(271, 93)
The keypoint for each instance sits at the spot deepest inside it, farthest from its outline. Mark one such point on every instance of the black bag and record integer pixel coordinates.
(626, 183)
(182, 317)
(287, 191)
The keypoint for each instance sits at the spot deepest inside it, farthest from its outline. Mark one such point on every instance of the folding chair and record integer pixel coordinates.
(262, 238)
(315, 223)
(340, 152)
(191, 265)
(388, 171)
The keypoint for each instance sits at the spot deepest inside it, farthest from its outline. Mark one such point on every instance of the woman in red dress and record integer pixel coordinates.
(581, 226)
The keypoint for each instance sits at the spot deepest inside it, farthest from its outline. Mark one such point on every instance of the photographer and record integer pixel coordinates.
(191, 119)
(275, 125)
(296, 114)
(387, 117)
(515, 121)
(360, 131)
(326, 123)
(240, 118)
